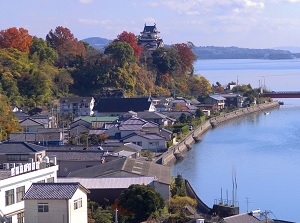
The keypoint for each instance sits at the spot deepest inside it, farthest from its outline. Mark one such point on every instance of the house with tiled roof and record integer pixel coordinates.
(79, 106)
(215, 101)
(148, 141)
(48, 136)
(20, 152)
(56, 202)
(137, 125)
(156, 117)
(127, 167)
(120, 106)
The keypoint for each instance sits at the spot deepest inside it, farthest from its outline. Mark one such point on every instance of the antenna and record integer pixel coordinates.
(247, 198)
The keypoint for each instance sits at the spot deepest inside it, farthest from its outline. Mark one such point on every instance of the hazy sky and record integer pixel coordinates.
(242, 23)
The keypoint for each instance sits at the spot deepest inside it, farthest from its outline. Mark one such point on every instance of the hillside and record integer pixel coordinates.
(214, 52)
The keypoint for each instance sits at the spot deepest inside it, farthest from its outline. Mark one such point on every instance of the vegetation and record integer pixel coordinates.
(139, 203)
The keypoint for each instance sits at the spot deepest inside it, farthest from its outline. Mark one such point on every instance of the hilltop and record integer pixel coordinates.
(215, 52)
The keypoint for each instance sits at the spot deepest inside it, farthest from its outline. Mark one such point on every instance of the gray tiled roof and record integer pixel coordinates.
(107, 182)
(59, 191)
(20, 148)
(83, 155)
(131, 166)
(217, 97)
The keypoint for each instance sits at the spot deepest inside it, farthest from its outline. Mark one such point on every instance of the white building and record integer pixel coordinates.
(15, 181)
(56, 202)
(80, 106)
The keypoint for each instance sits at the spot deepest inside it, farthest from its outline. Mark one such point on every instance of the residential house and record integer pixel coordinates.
(156, 117)
(96, 121)
(137, 125)
(56, 202)
(149, 141)
(182, 104)
(127, 167)
(235, 100)
(15, 181)
(31, 125)
(79, 106)
(215, 101)
(120, 106)
(49, 136)
(15, 153)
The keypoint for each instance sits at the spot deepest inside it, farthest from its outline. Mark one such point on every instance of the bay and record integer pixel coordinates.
(262, 150)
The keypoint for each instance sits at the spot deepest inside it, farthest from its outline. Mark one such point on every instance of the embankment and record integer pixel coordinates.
(178, 151)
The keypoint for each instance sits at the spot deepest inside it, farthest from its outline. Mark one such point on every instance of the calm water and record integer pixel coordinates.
(263, 150)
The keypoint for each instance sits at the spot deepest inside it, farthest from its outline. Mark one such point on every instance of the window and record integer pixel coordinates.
(9, 197)
(43, 207)
(20, 191)
(17, 157)
(77, 203)
(20, 217)
(41, 181)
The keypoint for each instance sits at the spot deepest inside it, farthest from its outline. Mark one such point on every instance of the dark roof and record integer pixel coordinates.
(75, 99)
(59, 191)
(20, 148)
(122, 104)
(129, 165)
(150, 29)
(77, 155)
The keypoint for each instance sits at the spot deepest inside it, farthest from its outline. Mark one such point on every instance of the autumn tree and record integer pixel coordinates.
(16, 38)
(69, 49)
(130, 38)
(186, 57)
(199, 87)
(8, 121)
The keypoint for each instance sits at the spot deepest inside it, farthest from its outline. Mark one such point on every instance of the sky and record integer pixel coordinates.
(240, 23)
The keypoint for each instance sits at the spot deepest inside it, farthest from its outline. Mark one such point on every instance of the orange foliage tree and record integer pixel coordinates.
(131, 40)
(16, 38)
(66, 45)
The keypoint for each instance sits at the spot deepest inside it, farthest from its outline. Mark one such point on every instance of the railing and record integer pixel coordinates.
(226, 202)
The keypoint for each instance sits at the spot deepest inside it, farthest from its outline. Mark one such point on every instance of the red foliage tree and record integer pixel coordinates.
(131, 40)
(187, 57)
(16, 38)
(66, 45)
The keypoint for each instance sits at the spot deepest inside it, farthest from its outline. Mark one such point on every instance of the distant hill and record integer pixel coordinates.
(214, 52)
(292, 49)
(97, 42)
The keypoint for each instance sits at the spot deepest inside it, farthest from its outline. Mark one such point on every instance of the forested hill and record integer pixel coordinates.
(214, 52)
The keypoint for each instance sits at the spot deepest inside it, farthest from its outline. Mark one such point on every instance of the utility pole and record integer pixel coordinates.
(116, 215)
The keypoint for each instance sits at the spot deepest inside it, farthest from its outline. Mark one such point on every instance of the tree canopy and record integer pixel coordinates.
(140, 202)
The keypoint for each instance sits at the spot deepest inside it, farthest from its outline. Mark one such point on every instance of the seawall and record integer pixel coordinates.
(178, 151)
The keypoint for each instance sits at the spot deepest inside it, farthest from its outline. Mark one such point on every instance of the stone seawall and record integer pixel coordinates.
(242, 112)
(178, 151)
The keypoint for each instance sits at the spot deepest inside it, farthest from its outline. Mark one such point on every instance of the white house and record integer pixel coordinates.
(15, 181)
(77, 105)
(56, 202)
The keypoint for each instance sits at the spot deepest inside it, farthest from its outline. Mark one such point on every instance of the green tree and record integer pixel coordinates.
(42, 51)
(120, 52)
(141, 201)
(179, 186)
(102, 216)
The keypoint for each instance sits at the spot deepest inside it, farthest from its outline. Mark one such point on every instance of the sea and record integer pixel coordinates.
(254, 160)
